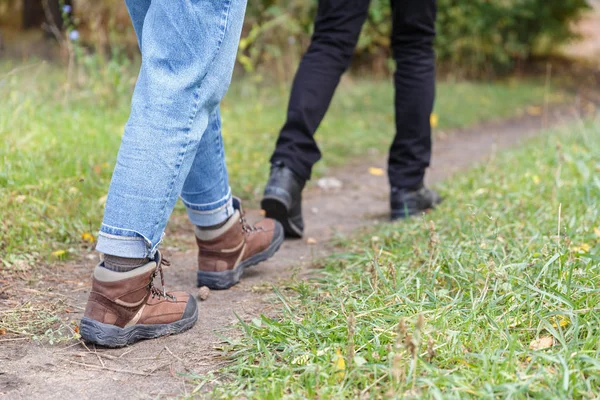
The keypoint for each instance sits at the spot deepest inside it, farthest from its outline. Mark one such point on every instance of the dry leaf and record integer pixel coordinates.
(339, 364)
(582, 248)
(58, 253)
(542, 343)
(433, 120)
(311, 241)
(102, 200)
(2, 331)
(87, 237)
(534, 110)
(262, 213)
(562, 322)
(376, 171)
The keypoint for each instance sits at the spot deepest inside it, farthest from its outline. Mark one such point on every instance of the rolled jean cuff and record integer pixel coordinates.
(212, 213)
(125, 243)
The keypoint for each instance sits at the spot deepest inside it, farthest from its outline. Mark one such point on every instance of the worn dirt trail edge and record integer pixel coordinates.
(153, 369)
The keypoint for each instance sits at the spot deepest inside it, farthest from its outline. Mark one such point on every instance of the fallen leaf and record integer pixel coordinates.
(76, 329)
(87, 237)
(542, 343)
(102, 200)
(58, 253)
(536, 179)
(376, 171)
(262, 213)
(2, 331)
(339, 364)
(433, 120)
(582, 248)
(311, 241)
(562, 322)
(534, 110)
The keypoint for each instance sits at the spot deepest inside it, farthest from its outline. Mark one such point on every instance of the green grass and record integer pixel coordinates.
(58, 142)
(450, 305)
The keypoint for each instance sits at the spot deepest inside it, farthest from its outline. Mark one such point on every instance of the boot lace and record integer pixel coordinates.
(246, 227)
(156, 292)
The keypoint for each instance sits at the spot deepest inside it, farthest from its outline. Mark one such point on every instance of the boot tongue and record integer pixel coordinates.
(237, 204)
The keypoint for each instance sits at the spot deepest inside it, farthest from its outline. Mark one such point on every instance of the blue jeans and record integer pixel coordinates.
(172, 145)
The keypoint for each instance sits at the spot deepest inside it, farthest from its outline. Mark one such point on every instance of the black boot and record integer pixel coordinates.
(405, 203)
(282, 199)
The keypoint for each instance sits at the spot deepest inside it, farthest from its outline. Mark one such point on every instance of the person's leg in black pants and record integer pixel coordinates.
(412, 47)
(337, 27)
(413, 33)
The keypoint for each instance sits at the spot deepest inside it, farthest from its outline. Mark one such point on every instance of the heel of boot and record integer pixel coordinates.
(278, 210)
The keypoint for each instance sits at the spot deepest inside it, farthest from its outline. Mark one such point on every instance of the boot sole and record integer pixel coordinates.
(226, 279)
(278, 210)
(113, 336)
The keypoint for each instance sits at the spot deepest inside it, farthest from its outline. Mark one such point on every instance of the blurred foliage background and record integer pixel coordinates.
(475, 37)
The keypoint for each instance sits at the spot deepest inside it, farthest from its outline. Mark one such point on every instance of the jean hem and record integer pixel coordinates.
(211, 217)
(125, 243)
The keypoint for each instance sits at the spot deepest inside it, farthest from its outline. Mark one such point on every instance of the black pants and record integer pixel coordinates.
(336, 32)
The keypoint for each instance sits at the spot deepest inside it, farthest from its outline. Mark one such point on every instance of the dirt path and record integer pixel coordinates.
(154, 369)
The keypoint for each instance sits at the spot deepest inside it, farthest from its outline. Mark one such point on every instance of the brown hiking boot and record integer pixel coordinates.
(125, 307)
(224, 253)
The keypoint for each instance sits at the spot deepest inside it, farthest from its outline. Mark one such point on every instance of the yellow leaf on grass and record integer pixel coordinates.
(536, 179)
(376, 171)
(87, 237)
(59, 253)
(562, 322)
(339, 364)
(433, 120)
(534, 110)
(542, 343)
(582, 248)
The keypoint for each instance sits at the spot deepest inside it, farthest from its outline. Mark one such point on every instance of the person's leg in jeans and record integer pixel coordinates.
(337, 27)
(412, 40)
(188, 52)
